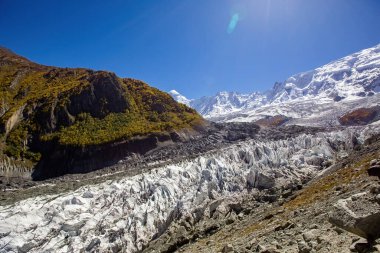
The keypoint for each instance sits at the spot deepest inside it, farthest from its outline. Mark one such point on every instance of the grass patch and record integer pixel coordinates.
(318, 190)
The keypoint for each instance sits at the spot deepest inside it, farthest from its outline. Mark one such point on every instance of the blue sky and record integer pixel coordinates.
(197, 47)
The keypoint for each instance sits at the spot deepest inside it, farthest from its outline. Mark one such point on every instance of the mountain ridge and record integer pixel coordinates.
(348, 78)
(46, 111)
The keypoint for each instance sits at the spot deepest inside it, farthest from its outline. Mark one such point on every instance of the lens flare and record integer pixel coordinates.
(233, 23)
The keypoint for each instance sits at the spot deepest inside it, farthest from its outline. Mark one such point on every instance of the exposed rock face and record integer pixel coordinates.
(361, 116)
(59, 119)
(104, 95)
(86, 159)
(101, 94)
(10, 169)
(374, 169)
(272, 121)
(14, 120)
(359, 214)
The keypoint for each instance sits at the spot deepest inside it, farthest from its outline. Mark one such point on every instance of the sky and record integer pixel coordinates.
(197, 47)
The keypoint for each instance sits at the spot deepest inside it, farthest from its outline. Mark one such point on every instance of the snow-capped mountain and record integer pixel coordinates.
(354, 79)
(180, 98)
(227, 102)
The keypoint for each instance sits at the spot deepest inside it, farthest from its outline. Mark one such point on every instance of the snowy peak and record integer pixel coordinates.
(350, 78)
(180, 98)
(356, 75)
(227, 102)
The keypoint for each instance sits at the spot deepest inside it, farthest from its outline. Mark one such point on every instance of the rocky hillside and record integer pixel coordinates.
(49, 113)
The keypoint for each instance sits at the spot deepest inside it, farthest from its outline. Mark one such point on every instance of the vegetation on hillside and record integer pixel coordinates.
(78, 107)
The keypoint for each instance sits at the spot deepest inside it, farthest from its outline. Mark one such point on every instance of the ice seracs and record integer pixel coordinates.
(129, 212)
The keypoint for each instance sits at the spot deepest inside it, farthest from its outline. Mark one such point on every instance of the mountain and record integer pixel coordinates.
(179, 98)
(46, 113)
(340, 85)
(160, 179)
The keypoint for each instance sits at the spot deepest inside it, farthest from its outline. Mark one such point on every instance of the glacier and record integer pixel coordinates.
(129, 212)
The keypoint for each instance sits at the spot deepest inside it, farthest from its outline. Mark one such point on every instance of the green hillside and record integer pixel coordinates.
(78, 107)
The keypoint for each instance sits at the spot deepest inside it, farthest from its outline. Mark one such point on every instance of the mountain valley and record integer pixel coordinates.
(91, 162)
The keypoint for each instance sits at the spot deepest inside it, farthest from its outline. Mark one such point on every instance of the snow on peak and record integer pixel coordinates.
(174, 92)
(349, 78)
(180, 98)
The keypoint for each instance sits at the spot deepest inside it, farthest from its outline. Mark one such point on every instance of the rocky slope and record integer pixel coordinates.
(337, 87)
(48, 114)
(305, 220)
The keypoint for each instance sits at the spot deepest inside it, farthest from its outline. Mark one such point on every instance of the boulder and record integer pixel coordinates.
(303, 247)
(228, 248)
(374, 162)
(87, 195)
(361, 246)
(94, 243)
(374, 170)
(358, 214)
(259, 180)
(311, 235)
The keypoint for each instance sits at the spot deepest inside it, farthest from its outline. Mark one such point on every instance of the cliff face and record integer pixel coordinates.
(49, 115)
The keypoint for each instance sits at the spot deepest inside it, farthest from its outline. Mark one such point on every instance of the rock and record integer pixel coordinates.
(314, 226)
(73, 230)
(373, 162)
(265, 182)
(114, 235)
(270, 250)
(375, 189)
(72, 201)
(310, 235)
(236, 207)
(228, 248)
(338, 230)
(303, 247)
(87, 195)
(377, 198)
(377, 247)
(269, 198)
(26, 247)
(287, 194)
(230, 221)
(361, 246)
(259, 180)
(214, 206)
(357, 215)
(287, 225)
(374, 170)
(94, 243)
(260, 248)
(209, 242)
(116, 248)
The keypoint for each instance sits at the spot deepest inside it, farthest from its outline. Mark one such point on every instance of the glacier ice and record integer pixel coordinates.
(130, 211)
